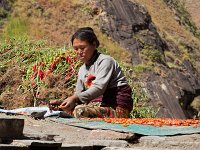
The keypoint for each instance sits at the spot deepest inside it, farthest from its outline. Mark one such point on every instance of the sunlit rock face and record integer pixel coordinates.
(130, 25)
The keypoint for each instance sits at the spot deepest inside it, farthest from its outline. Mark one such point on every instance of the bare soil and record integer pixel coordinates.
(193, 8)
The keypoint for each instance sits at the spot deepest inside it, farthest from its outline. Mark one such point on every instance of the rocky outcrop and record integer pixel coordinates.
(174, 92)
(5, 7)
(131, 26)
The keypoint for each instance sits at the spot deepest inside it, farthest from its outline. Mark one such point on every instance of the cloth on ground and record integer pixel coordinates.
(36, 112)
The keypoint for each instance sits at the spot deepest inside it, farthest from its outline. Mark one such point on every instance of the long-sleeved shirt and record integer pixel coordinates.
(107, 75)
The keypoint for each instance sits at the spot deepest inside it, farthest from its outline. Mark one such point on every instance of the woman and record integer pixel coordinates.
(102, 89)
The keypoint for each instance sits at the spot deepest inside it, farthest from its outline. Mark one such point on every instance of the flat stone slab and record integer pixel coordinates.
(12, 147)
(135, 148)
(76, 147)
(11, 127)
(36, 143)
(110, 135)
(109, 143)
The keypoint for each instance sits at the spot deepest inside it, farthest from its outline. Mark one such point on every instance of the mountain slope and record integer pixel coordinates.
(193, 8)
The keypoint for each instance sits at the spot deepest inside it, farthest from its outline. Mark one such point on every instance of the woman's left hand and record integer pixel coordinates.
(69, 103)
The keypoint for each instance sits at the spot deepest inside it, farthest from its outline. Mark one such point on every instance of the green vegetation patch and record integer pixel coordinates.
(15, 28)
(183, 15)
(151, 54)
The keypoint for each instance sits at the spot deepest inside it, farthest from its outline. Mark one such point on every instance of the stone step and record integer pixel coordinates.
(11, 128)
(155, 141)
(12, 147)
(135, 148)
(37, 144)
(76, 147)
(109, 143)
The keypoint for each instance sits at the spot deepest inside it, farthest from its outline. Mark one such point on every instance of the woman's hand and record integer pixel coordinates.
(69, 103)
(54, 104)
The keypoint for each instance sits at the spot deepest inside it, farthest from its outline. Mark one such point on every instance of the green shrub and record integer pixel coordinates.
(140, 107)
(140, 99)
(151, 54)
(3, 13)
(15, 28)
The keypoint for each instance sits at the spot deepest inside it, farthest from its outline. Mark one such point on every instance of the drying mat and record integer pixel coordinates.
(97, 124)
(132, 128)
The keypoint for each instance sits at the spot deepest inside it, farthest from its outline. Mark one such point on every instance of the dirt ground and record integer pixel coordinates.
(49, 130)
(193, 8)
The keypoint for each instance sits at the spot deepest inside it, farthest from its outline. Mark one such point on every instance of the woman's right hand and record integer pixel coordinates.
(54, 104)
(69, 104)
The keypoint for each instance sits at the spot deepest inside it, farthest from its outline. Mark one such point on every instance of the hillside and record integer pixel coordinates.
(193, 9)
(156, 44)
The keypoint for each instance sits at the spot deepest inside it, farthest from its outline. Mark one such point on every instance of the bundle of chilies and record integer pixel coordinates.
(152, 121)
(37, 71)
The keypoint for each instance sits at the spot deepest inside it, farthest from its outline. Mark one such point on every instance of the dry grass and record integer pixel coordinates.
(114, 48)
(56, 20)
(163, 17)
(193, 8)
(53, 20)
(169, 28)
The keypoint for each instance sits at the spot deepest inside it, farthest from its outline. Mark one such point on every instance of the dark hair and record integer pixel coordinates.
(87, 34)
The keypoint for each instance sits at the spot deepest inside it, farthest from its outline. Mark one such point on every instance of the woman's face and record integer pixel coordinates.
(84, 49)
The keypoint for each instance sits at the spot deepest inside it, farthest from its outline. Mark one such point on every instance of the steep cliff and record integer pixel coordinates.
(172, 89)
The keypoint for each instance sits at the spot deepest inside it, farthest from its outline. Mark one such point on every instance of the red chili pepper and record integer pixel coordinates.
(34, 68)
(152, 121)
(69, 60)
(52, 65)
(33, 84)
(58, 59)
(69, 74)
(67, 77)
(43, 64)
(50, 71)
(41, 74)
(33, 75)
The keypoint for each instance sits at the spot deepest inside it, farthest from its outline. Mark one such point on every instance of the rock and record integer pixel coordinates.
(169, 142)
(11, 128)
(135, 148)
(38, 144)
(5, 6)
(110, 135)
(76, 147)
(12, 147)
(109, 143)
(130, 25)
(174, 93)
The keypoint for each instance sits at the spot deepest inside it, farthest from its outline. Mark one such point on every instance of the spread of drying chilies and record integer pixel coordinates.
(152, 121)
